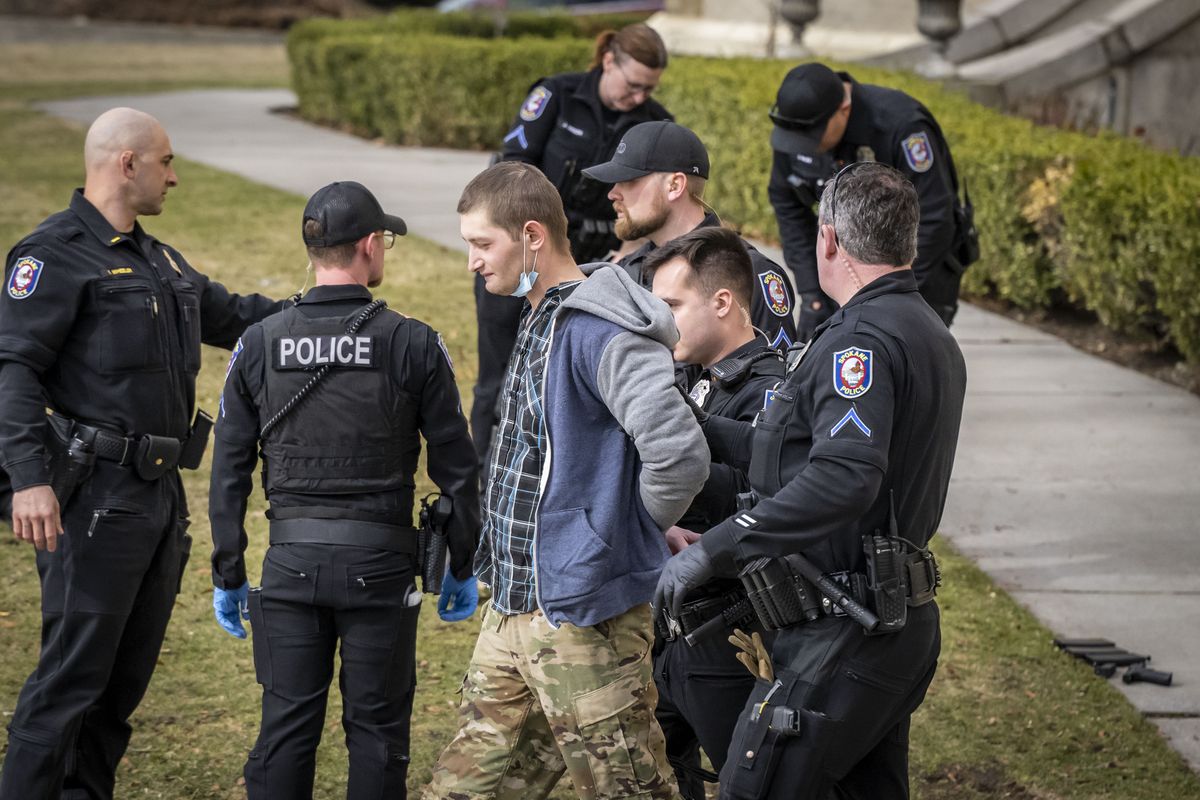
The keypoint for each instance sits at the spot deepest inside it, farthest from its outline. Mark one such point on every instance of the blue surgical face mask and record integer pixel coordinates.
(528, 279)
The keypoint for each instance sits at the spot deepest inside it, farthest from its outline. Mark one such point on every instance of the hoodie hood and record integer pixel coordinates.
(611, 294)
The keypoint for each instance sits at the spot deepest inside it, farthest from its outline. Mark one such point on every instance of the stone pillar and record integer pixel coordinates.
(797, 14)
(939, 21)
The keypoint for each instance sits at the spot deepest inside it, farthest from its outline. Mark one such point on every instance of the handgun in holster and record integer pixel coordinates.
(71, 458)
(431, 540)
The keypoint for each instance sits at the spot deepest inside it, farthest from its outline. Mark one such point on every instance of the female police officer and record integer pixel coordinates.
(567, 123)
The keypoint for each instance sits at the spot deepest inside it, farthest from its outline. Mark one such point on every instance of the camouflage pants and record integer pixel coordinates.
(540, 701)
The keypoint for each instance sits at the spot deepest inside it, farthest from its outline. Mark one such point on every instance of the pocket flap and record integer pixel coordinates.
(609, 700)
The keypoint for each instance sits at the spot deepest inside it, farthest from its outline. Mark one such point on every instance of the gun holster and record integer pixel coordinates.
(431, 541)
(71, 458)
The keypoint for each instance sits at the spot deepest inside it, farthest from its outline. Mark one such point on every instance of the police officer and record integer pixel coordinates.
(824, 120)
(705, 278)
(659, 173)
(101, 323)
(567, 123)
(851, 461)
(336, 391)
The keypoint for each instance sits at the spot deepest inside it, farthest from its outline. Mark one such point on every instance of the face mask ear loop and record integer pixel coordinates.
(528, 279)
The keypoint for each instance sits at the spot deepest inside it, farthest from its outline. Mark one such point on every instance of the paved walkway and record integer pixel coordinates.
(1077, 484)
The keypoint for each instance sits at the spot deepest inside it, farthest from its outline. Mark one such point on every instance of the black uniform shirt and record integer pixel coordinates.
(872, 407)
(105, 328)
(887, 126)
(771, 303)
(740, 400)
(562, 128)
(421, 369)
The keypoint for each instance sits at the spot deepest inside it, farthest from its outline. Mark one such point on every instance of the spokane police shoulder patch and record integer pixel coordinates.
(25, 276)
(918, 153)
(773, 290)
(852, 371)
(535, 104)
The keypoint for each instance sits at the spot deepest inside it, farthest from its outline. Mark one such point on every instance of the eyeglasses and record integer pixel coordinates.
(836, 183)
(634, 88)
(388, 238)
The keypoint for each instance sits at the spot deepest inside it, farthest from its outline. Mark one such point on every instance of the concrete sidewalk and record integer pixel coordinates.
(1077, 484)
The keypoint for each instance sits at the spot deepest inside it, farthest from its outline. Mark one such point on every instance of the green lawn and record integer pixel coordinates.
(1007, 716)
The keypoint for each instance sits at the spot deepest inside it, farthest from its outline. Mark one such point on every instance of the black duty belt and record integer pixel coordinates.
(351, 532)
(151, 456)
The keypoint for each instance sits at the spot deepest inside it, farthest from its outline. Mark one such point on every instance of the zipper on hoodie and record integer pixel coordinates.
(537, 583)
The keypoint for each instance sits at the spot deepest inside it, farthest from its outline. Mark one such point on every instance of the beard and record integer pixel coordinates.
(628, 228)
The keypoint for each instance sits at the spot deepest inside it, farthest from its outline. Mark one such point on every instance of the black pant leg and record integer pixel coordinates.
(378, 633)
(715, 691)
(115, 528)
(294, 641)
(497, 317)
(104, 734)
(683, 746)
(855, 691)
(883, 772)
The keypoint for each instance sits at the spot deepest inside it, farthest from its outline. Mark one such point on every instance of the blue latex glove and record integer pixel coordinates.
(231, 607)
(458, 599)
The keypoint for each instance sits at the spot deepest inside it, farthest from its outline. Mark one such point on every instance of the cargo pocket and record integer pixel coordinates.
(258, 639)
(615, 722)
(765, 729)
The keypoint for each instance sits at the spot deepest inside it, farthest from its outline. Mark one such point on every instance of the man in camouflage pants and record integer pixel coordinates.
(560, 680)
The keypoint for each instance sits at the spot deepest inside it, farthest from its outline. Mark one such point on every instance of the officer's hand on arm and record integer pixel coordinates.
(679, 538)
(231, 606)
(35, 517)
(685, 571)
(458, 599)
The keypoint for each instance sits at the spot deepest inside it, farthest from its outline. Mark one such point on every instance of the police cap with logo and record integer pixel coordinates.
(807, 98)
(653, 147)
(347, 212)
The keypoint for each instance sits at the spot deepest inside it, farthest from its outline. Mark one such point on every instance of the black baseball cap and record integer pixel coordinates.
(653, 147)
(807, 98)
(347, 212)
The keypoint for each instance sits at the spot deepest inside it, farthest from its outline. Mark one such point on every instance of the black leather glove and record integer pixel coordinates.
(683, 572)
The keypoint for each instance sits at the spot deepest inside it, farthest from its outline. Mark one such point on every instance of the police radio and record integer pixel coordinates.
(887, 580)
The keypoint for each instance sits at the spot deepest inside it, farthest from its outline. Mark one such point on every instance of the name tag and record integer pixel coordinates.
(306, 352)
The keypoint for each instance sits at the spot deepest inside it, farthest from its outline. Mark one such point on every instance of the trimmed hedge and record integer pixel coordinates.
(1098, 221)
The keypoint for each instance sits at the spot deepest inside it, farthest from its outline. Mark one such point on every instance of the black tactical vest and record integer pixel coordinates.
(356, 431)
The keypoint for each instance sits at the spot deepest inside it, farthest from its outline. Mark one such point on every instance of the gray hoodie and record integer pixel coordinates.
(624, 455)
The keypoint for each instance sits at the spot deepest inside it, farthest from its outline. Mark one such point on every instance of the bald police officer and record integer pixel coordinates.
(850, 461)
(338, 391)
(102, 323)
(824, 120)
